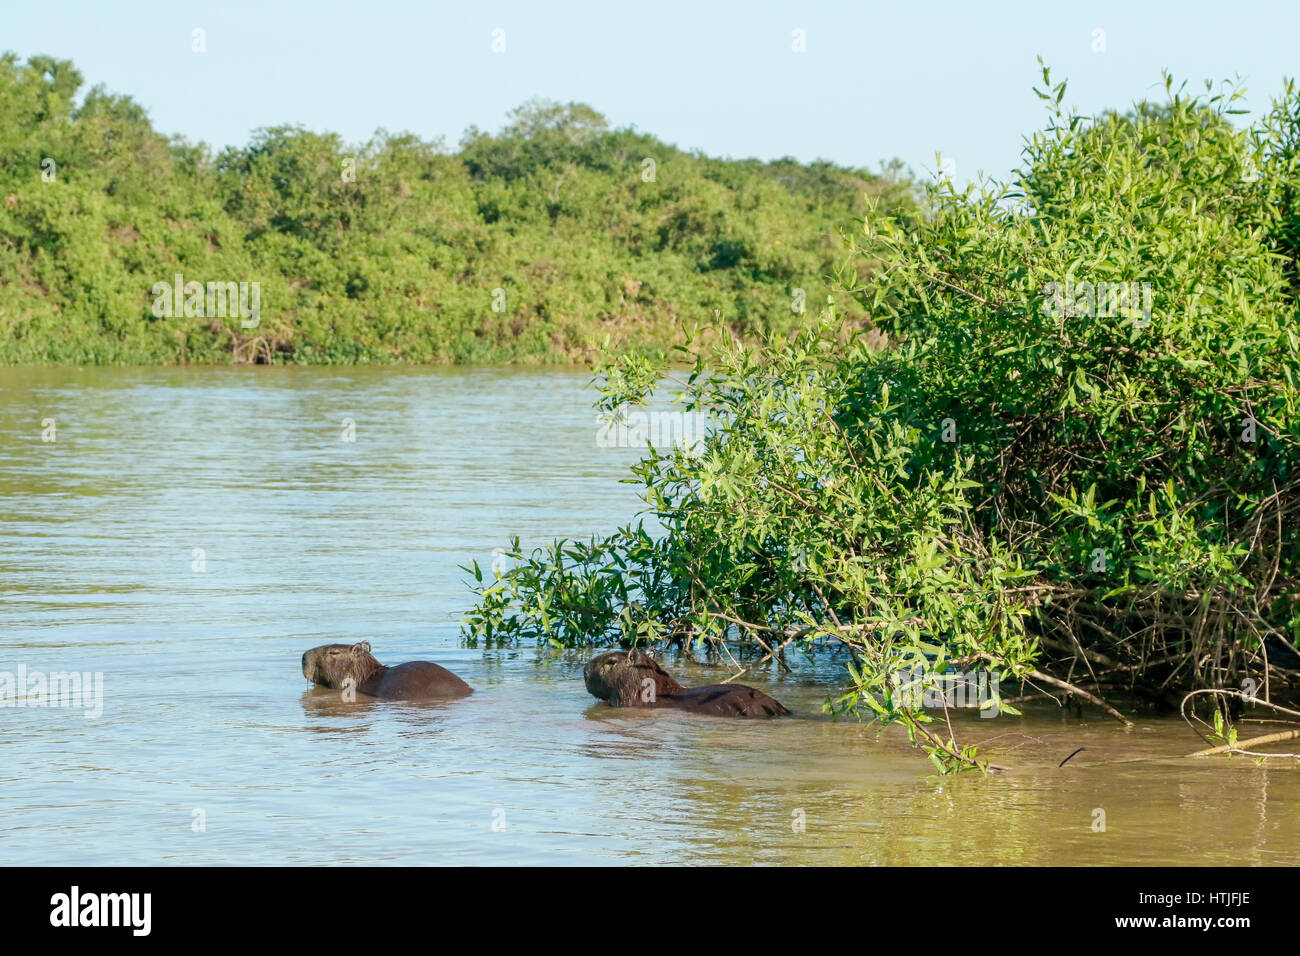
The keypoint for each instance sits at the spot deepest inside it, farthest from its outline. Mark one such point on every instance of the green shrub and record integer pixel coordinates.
(391, 251)
(1027, 481)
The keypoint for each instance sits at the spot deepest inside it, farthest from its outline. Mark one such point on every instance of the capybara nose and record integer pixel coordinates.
(304, 666)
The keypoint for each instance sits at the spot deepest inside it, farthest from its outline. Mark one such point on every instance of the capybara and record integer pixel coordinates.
(633, 679)
(330, 665)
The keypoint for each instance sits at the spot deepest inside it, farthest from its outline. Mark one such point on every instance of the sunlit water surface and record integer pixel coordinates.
(212, 749)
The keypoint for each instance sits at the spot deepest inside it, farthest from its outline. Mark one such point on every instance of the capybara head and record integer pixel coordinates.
(627, 678)
(331, 664)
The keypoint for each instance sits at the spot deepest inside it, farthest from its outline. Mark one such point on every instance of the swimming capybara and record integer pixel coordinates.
(331, 664)
(633, 679)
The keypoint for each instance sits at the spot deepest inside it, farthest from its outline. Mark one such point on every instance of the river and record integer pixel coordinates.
(188, 533)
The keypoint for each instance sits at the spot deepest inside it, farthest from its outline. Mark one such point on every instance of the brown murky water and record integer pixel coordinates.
(211, 748)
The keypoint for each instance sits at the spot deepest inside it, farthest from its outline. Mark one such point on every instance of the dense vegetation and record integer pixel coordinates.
(395, 250)
(1038, 476)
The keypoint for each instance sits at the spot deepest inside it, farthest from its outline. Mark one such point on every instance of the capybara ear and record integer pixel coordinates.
(636, 656)
(361, 647)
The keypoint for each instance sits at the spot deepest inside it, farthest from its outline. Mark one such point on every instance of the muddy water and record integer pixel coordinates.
(188, 533)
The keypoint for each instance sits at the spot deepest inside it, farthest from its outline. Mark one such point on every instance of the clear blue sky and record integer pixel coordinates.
(877, 80)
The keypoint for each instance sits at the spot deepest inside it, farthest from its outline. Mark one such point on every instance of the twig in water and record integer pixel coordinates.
(1069, 758)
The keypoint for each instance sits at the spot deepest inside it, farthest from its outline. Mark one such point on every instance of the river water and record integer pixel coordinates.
(188, 533)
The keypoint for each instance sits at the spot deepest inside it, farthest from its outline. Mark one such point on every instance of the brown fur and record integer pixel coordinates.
(635, 679)
(331, 665)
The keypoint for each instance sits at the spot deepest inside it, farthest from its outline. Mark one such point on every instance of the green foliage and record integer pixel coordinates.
(391, 251)
(1223, 735)
(1026, 478)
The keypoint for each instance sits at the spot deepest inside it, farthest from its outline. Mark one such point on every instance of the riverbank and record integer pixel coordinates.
(538, 244)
